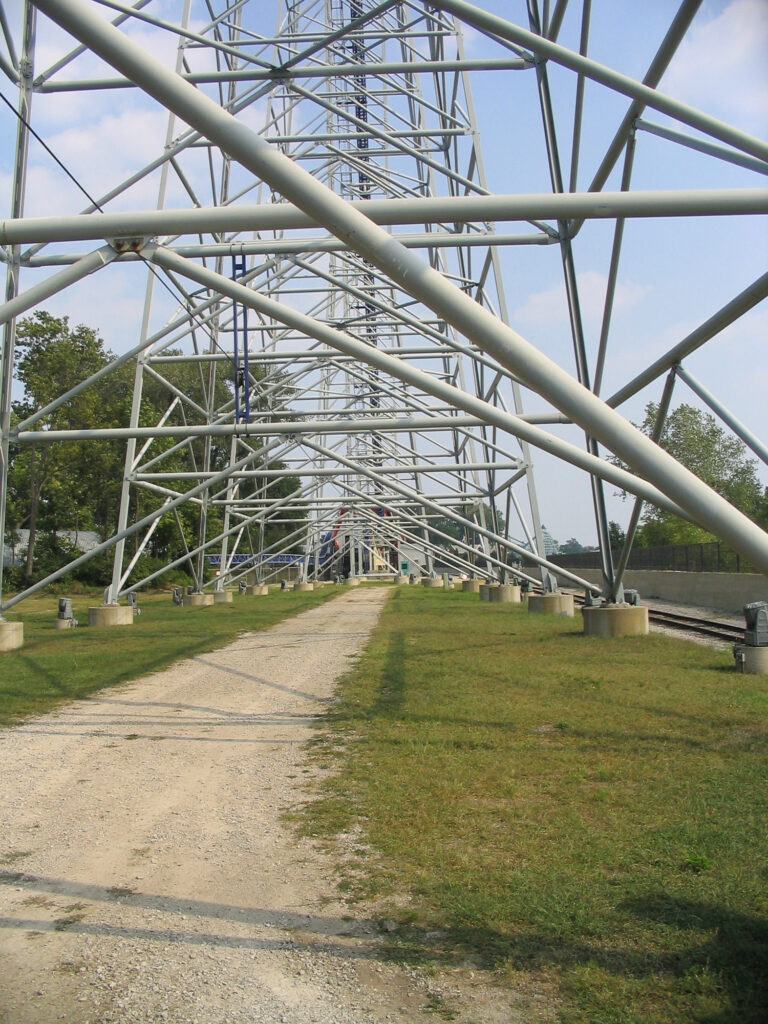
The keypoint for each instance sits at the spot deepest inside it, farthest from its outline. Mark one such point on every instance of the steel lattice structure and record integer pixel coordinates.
(337, 257)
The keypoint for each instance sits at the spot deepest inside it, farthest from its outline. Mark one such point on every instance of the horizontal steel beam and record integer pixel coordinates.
(331, 471)
(449, 209)
(299, 246)
(372, 68)
(349, 425)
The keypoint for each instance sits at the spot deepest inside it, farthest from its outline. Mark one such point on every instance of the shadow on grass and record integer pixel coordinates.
(735, 956)
(735, 952)
(391, 693)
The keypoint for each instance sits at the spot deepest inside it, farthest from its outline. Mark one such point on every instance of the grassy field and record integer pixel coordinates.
(586, 817)
(53, 666)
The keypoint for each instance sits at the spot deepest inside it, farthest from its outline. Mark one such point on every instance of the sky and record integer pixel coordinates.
(673, 274)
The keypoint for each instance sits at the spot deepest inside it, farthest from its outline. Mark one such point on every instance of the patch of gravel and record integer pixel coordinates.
(148, 874)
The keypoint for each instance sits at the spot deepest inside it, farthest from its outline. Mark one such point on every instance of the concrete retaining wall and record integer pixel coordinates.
(727, 591)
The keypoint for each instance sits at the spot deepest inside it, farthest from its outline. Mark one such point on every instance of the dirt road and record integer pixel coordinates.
(147, 874)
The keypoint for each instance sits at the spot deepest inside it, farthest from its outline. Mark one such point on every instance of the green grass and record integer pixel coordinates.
(587, 817)
(55, 666)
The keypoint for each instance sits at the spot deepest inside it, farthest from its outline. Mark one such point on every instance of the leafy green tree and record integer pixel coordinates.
(616, 535)
(571, 547)
(697, 440)
(62, 486)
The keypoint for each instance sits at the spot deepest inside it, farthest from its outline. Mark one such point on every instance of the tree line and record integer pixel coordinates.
(59, 489)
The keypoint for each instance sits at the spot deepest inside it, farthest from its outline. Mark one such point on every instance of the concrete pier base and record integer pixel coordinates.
(198, 600)
(399, 580)
(352, 581)
(11, 635)
(615, 620)
(551, 604)
(222, 597)
(257, 589)
(111, 615)
(505, 593)
(752, 661)
(470, 586)
(430, 581)
(64, 624)
(304, 587)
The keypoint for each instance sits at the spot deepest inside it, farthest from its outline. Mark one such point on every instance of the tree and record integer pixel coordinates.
(616, 535)
(571, 547)
(721, 460)
(62, 486)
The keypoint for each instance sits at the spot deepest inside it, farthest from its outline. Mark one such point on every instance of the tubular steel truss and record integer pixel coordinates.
(337, 258)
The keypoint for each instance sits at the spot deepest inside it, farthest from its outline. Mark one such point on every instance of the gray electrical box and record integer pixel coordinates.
(178, 595)
(756, 615)
(632, 597)
(242, 586)
(65, 607)
(133, 601)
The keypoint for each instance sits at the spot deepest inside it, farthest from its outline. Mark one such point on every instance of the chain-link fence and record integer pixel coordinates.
(712, 557)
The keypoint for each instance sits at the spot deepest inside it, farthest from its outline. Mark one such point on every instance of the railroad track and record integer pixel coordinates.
(692, 624)
(724, 631)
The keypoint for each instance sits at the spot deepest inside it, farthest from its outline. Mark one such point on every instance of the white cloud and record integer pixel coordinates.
(722, 65)
(100, 155)
(474, 40)
(550, 308)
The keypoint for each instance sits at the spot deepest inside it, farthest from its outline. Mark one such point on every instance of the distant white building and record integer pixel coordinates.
(551, 547)
(16, 552)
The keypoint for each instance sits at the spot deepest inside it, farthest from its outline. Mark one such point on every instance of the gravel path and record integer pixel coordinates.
(147, 873)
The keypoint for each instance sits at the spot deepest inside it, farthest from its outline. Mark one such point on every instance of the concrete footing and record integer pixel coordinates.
(615, 620)
(551, 604)
(304, 587)
(505, 593)
(470, 586)
(11, 635)
(752, 661)
(111, 615)
(399, 580)
(257, 589)
(198, 600)
(352, 581)
(64, 623)
(432, 581)
(222, 597)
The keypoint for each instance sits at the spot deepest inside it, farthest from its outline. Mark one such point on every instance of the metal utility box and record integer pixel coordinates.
(756, 615)
(178, 595)
(65, 607)
(632, 597)
(242, 586)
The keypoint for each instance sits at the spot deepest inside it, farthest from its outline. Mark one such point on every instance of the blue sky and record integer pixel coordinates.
(673, 275)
